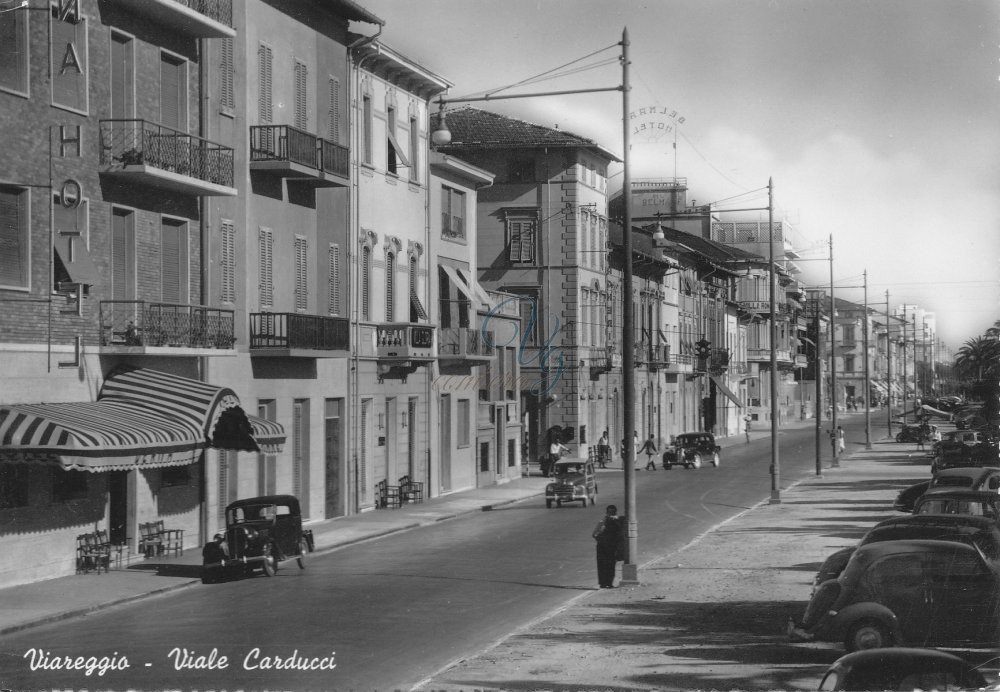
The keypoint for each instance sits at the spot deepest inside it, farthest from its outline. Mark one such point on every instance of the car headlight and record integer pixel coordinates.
(550, 488)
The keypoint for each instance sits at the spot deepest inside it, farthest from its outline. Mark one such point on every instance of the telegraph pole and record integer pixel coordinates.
(868, 384)
(833, 364)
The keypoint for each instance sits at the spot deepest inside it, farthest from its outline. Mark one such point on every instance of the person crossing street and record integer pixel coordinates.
(649, 447)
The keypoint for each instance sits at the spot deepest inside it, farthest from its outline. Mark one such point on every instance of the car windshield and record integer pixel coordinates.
(947, 506)
(240, 515)
(955, 481)
(562, 469)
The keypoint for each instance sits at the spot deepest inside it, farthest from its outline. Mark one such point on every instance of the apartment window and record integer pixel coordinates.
(227, 261)
(122, 70)
(173, 92)
(849, 364)
(366, 271)
(390, 293)
(14, 56)
(69, 61)
(452, 213)
(521, 238)
(394, 153)
(123, 254)
(265, 62)
(15, 243)
(334, 279)
(333, 110)
(265, 256)
(69, 485)
(527, 305)
(464, 424)
(227, 75)
(301, 95)
(301, 274)
(366, 122)
(173, 261)
(414, 149)
(13, 485)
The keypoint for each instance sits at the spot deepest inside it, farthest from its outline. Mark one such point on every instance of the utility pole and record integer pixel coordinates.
(868, 384)
(888, 363)
(833, 365)
(773, 333)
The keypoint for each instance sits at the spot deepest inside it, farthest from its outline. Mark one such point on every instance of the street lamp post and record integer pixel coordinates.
(441, 136)
(773, 334)
(833, 365)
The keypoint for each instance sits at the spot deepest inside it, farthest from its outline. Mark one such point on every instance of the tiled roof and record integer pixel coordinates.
(715, 251)
(474, 127)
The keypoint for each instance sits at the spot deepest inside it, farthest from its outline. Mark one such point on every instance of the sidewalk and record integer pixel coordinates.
(34, 604)
(712, 615)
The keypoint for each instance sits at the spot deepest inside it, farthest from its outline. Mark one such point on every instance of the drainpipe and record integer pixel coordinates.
(204, 292)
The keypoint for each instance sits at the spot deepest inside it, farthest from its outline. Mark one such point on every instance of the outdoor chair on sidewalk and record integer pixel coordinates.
(412, 491)
(387, 495)
(150, 542)
(91, 554)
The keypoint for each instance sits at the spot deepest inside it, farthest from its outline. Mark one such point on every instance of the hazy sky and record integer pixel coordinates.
(878, 120)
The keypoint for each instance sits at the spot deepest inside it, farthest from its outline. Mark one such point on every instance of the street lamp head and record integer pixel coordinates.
(441, 134)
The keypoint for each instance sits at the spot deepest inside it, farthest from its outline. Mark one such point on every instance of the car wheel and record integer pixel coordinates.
(696, 461)
(548, 504)
(209, 576)
(303, 549)
(715, 460)
(899, 437)
(270, 564)
(867, 634)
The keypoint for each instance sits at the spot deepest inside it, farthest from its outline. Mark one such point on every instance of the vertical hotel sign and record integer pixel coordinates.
(68, 59)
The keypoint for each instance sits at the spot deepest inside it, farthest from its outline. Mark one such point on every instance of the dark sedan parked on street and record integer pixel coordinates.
(907, 593)
(978, 503)
(901, 669)
(973, 478)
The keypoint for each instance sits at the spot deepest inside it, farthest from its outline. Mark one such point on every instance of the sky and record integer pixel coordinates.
(878, 121)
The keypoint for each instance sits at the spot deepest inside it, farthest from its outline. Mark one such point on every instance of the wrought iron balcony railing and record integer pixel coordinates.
(137, 323)
(297, 334)
(274, 147)
(193, 18)
(465, 343)
(128, 143)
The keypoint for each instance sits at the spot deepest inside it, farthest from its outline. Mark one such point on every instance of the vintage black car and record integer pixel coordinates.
(965, 448)
(261, 533)
(908, 593)
(972, 477)
(901, 669)
(574, 481)
(690, 450)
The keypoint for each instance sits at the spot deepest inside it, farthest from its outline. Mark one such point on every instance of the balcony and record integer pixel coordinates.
(192, 18)
(659, 356)
(138, 151)
(289, 152)
(465, 344)
(763, 355)
(138, 327)
(718, 360)
(604, 360)
(403, 341)
(293, 335)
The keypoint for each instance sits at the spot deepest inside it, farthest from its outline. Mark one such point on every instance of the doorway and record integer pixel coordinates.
(118, 506)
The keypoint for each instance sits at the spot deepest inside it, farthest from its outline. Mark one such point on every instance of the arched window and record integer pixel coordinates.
(366, 270)
(390, 293)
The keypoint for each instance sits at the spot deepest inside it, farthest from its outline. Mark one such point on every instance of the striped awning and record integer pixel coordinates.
(142, 418)
(268, 435)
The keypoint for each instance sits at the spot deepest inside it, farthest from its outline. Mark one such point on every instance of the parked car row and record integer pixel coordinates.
(931, 579)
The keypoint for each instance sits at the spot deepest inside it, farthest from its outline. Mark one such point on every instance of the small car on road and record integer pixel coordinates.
(691, 450)
(261, 533)
(574, 480)
(901, 669)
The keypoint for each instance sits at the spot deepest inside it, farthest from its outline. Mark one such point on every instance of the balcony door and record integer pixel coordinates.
(173, 261)
(173, 92)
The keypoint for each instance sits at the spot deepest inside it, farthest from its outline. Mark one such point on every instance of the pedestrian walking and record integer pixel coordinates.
(649, 447)
(636, 445)
(603, 450)
(841, 442)
(747, 424)
(607, 533)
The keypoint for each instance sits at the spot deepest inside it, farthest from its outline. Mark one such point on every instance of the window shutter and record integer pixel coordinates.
(265, 242)
(265, 112)
(301, 273)
(363, 466)
(227, 69)
(228, 261)
(334, 296)
(390, 293)
(13, 239)
(297, 447)
(170, 263)
(366, 266)
(515, 241)
(333, 114)
(171, 85)
(301, 96)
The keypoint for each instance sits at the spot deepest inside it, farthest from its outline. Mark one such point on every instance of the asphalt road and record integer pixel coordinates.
(388, 613)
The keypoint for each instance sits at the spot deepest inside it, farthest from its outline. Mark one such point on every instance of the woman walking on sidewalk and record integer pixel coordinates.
(649, 447)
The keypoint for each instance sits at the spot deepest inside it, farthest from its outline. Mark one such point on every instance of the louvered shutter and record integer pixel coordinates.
(171, 94)
(227, 68)
(170, 263)
(363, 466)
(122, 256)
(334, 287)
(298, 441)
(301, 96)
(265, 240)
(366, 265)
(335, 114)
(301, 273)
(228, 261)
(515, 241)
(265, 112)
(13, 239)
(390, 297)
